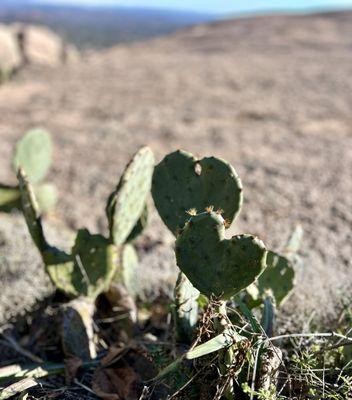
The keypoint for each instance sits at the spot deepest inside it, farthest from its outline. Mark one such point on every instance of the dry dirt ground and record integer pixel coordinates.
(272, 95)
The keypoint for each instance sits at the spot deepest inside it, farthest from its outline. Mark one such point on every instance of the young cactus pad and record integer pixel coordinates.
(127, 270)
(46, 195)
(33, 153)
(126, 204)
(278, 277)
(186, 308)
(213, 264)
(181, 183)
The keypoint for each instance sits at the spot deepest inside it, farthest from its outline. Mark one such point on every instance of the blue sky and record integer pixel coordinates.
(218, 6)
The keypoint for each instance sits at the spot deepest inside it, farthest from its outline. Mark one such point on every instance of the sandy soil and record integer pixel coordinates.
(273, 95)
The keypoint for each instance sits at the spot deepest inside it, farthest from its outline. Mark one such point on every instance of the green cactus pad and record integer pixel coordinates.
(126, 203)
(95, 261)
(61, 270)
(31, 211)
(181, 183)
(140, 225)
(128, 273)
(186, 308)
(87, 271)
(213, 264)
(278, 277)
(33, 153)
(46, 195)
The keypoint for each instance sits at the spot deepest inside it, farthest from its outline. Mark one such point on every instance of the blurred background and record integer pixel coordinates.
(96, 24)
(266, 85)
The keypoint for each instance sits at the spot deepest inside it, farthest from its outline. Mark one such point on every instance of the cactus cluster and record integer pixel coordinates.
(96, 261)
(197, 200)
(186, 191)
(33, 153)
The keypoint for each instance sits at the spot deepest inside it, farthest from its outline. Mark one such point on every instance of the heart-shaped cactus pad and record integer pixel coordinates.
(213, 264)
(182, 183)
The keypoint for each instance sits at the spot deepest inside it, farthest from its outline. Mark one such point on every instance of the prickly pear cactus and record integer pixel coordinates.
(127, 270)
(181, 183)
(126, 203)
(46, 195)
(10, 197)
(33, 153)
(186, 309)
(31, 211)
(140, 225)
(278, 278)
(213, 264)
(88, 270)
(94, 259)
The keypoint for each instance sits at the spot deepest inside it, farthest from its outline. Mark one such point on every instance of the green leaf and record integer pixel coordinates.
(219, 342)
(17, 388)
(268, 318)
(249, 315)
(169, 369)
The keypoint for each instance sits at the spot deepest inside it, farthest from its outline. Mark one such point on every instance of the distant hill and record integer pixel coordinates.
(99, 27)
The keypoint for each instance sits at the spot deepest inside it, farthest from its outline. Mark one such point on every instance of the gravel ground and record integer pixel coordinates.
(272, 95)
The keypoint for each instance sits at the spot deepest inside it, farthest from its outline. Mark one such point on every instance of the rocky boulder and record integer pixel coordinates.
(10, 56)
(41, 46)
